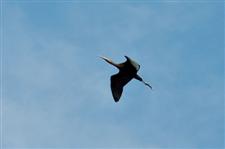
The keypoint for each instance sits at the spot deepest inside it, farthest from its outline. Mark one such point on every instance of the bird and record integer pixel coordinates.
(127, 71)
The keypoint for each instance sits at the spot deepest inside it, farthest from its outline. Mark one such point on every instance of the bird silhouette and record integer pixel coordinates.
(127, 71)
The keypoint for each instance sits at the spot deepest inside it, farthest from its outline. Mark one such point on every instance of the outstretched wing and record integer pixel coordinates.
(118, 81)
(134, 64)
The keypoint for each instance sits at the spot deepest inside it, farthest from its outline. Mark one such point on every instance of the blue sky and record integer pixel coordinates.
(56, 89)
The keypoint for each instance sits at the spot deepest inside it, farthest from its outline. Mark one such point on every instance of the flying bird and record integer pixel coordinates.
(127, 71)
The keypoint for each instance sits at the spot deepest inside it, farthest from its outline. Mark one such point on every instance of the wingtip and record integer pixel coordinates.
(116, 98)
(126, 57)
(103, 57)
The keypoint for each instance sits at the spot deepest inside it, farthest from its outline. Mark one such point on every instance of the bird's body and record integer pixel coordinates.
(127, 71)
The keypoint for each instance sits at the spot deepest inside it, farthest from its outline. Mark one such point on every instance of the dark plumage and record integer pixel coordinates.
(127, 71)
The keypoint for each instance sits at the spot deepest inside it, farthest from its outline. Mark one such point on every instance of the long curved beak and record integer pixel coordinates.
(148, 85)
